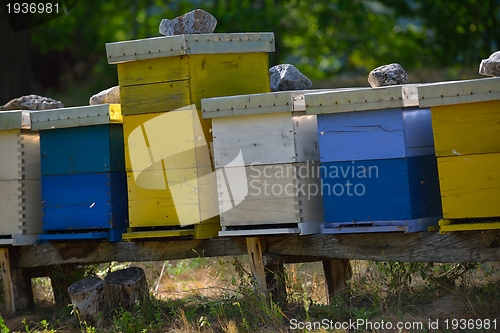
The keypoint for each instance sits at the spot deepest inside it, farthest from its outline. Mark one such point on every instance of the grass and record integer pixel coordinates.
(218, 295)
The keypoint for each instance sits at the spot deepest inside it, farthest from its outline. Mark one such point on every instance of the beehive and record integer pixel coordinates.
(377, 158)
(466, 123)
(171, 180)
(83, 177)
(266, 157)
(167, 73)
(20, 202)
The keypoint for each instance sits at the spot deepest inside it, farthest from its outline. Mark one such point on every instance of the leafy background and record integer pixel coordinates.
(334, 42)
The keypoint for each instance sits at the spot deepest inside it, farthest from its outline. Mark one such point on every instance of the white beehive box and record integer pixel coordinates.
(20, 194)
(263, 145)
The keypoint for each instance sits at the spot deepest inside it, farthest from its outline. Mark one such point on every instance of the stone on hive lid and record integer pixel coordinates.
(197, 21)
(490, 66)
(32, 102)
(388, 75)
(108, 96)
(287, 77)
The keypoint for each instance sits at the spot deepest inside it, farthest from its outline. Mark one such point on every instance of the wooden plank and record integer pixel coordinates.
(475, 246)
(16, 283)
(458, 92)
(153, 71)
(84, 201)
(214, 75)
(470, 128)
(337, 272)
(305, 132)
(263, 139)
(16, 119)
(21, 207)
(362, 99)
(358, 190)
(76, 116)
(159, 47)
(78, 150)
(241, 105)
(258, 232)
(255, 247)
(155, 97)
(10, 150)
(461, 225)
(470, 185)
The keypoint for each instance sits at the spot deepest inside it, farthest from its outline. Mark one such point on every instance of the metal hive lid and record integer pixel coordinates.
(362, 99)
(169, 46)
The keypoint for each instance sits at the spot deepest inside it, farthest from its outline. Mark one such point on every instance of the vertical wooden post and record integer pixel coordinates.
(337, 272)
(267, 270)
(16, 283)
(255, 248)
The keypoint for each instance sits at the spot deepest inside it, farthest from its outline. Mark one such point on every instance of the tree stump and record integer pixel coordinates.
(124, 288)
(86, 296)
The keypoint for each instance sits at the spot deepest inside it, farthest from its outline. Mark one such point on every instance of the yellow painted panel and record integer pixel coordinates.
(154, 97)
(153, 71)
(470, 185)
(206, 230)
(157, 234)
(448, 226)
(215, 75)
(469, 128)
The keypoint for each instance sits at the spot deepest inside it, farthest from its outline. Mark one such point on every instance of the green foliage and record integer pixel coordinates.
(320, 37)
(3, 327)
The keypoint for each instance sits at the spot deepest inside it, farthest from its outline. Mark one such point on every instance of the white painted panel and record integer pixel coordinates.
(264, 139)
(305, 129)
(10, 154)
(15, 119)
(30, 143)
(310, 192)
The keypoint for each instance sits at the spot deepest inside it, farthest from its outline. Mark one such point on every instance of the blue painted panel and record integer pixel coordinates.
(86, 149)
(373, 190)
(84, 201)
(424, 186)
(363, 135)
(375, 134)
(112, 235)
(381, 190)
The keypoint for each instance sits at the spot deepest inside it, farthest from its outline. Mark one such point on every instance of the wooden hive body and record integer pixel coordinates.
(265, 153)
(83, 175)
(170, 174)
(466, 122)
(378, 166)
(20, 201)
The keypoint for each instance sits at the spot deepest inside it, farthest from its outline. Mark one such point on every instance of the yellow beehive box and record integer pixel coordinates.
(166, 73)
(20, 189)
(466, 123)
(170, 177)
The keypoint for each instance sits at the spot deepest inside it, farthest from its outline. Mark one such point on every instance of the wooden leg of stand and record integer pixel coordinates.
(16, 283)
(255, 249)
(337, 272)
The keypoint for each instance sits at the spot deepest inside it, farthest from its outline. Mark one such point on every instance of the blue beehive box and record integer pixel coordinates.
(84, 192)
(379, 171)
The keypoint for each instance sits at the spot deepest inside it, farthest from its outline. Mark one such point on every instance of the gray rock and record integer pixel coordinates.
(388, 75)
(287, 77)
(197, 21)
(108, 96)
(32, 102)
(490, 66)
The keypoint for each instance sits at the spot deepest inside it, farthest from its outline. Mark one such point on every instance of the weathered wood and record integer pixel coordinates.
(275, 277)
(337, 271)
(16, 283)
(123, 289)
(61, 278)
(255, 246)
(472, 246)
(86, 296)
